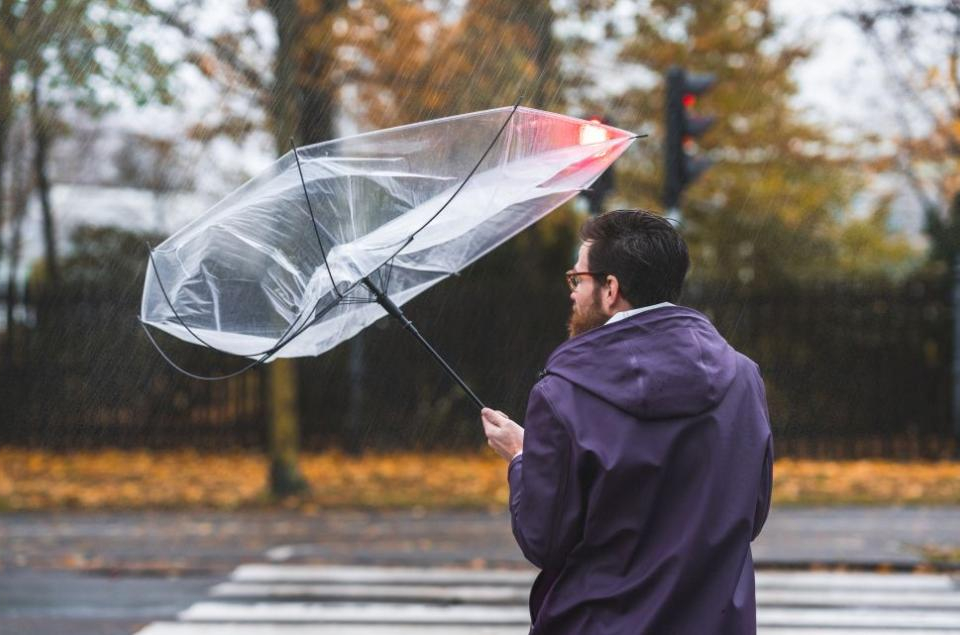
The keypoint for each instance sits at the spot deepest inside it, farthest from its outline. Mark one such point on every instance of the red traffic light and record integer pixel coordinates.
(681, 164)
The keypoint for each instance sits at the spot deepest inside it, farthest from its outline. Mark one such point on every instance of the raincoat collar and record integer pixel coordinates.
(622, 315)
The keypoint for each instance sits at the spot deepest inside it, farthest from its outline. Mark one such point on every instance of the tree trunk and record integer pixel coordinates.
(20, 191)
(285, 476)
(5, 109)
(284, 109)
(41, 147)
(316, 117)
(302, 99)
(284, 421)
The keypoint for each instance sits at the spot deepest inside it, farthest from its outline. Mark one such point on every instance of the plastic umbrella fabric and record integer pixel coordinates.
(325, 240)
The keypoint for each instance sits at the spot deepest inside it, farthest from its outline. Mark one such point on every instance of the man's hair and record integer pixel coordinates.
(643, 250)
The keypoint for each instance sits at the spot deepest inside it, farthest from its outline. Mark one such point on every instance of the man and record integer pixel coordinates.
(645, 465)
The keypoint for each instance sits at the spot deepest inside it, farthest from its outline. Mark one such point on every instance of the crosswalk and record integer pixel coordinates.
(284, 599)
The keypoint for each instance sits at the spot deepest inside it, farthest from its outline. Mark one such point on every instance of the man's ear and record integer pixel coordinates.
(610, 293)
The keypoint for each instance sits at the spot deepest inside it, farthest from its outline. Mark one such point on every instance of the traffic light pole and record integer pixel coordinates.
(682, 126)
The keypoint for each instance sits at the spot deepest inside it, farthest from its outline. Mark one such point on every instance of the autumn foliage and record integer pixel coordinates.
(176, 479)
(37, 480)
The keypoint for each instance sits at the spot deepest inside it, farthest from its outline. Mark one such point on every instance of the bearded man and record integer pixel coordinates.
(644, 467)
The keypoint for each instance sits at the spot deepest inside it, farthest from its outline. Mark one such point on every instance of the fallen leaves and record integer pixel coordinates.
(805, 482)
(32, 480)
(113, 479)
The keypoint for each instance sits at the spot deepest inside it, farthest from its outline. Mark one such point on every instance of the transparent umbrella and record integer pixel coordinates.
(334, 236)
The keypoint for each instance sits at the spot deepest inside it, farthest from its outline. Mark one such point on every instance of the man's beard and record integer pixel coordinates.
(589, 318)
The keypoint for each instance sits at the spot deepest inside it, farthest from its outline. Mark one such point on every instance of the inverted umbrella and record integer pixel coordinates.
(333, 236)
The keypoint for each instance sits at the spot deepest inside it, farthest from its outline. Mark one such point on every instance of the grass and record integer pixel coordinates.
(105, 480)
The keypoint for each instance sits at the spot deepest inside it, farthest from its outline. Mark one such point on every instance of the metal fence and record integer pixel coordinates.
(852, 369)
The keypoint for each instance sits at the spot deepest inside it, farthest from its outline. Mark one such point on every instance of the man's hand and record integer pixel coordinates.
(503, 435)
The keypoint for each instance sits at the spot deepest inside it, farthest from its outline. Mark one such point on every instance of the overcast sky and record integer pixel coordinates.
(842, 81)
(841, 86)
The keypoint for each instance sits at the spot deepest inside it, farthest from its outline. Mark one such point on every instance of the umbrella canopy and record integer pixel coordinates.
(290, 262)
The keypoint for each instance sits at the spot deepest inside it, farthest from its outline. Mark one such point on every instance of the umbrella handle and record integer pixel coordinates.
(390, 307)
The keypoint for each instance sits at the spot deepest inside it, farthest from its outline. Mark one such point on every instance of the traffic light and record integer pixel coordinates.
(681, 169)
(602, 187)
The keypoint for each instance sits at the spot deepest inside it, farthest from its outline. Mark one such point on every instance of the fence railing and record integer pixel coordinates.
(851, 369)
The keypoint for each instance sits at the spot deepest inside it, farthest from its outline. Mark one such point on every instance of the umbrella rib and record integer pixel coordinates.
(473, 171)
(183, 371)
(313, 220)
(385, 281)
(264, 355)
(390, 307)
(381, 297)
(166, 297)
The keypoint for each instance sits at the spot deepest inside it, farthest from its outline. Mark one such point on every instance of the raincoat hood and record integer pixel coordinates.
(660, 364)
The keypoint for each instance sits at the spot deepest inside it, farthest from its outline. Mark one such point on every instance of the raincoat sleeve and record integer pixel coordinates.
(766, 487)
(544, 501)
(766, 474)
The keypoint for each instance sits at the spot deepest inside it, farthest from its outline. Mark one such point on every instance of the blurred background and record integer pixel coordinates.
(810, 150)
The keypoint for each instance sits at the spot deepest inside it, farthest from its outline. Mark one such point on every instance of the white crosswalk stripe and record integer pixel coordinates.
(272, 599)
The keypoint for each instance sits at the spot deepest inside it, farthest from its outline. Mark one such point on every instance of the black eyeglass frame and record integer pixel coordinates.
(573, 277)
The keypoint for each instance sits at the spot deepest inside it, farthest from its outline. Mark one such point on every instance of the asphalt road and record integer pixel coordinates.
(110, 573)
(51, 602)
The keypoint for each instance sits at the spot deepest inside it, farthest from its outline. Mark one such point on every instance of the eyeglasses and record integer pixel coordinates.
(573, 277)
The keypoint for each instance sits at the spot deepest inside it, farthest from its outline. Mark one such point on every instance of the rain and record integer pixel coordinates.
(806, 152)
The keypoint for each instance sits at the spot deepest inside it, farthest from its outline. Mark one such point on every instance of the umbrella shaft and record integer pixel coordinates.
(391, 308)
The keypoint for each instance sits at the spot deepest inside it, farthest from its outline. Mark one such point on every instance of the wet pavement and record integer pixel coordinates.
(77, 603)
(110, 573)
(892, 538)
(113, 573)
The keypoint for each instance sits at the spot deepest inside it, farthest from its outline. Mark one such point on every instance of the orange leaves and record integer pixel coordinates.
(798, 482)
(142, 480)
(406, 480)
(31, 480)
(115, 479)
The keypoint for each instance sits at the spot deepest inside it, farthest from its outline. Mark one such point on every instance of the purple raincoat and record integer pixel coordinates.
(646, 472)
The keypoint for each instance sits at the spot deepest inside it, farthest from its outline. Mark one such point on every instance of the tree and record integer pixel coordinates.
(399, 60)
(866, 248)
(20, 186)
(303, 104)
(925, 82)
(293, 88)
(294, 98)
(107, 258)
(156, 165)
(945, 235)
(416, 67)
(65, 51)
(768, 208)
